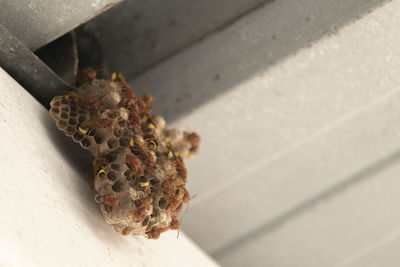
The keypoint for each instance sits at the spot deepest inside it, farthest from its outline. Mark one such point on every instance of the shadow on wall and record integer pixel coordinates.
(360, 176)
(187, 53)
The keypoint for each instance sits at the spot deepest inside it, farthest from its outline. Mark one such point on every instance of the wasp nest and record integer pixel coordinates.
(139, 174)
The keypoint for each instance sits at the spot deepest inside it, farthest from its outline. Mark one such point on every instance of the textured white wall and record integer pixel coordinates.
(49, 217)
(297, 159)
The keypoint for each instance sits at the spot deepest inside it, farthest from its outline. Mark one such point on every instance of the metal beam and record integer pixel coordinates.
(25, 67)
(38, 22)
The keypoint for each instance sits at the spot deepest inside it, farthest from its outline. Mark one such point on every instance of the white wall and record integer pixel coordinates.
(297, 103)
(49, 217)
(297, 161)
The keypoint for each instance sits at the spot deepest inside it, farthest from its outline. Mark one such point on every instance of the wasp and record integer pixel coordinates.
(110, 201)
(113, 77)
(175, 223)
(132, 142)
(85, 130)
(134, 163)
(144, 104)
(151, 142)
(100, 123)
(174, 204)
(171, 155)
(141, 107)
(141, 210)
(100, 172)
(87, 74)
(180, 168)
(143, 182)
(194, 141)
(169, 183)
(91, 103)
(126, 231)
(154, 233)
(150, 126)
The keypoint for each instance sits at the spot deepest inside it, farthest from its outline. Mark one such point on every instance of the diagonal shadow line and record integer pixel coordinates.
(202, 37)
(271, 45)
(358, 177)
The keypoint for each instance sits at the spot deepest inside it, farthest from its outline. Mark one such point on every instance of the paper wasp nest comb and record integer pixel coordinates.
(139, 174)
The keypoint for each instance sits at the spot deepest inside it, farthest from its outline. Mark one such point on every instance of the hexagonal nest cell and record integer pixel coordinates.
(139, 173)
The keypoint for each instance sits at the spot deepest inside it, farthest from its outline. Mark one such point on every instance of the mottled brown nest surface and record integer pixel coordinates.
(139, 173)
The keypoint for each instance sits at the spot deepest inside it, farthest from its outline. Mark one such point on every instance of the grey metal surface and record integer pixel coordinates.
(61, 56)
(38, 22)
(25, 67)
(136, 35)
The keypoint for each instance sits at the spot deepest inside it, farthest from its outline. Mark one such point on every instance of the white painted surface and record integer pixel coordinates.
(282, 144)
(383, 252)
(247, 48)
(300, 174)
(48, 216)
(332, 230)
